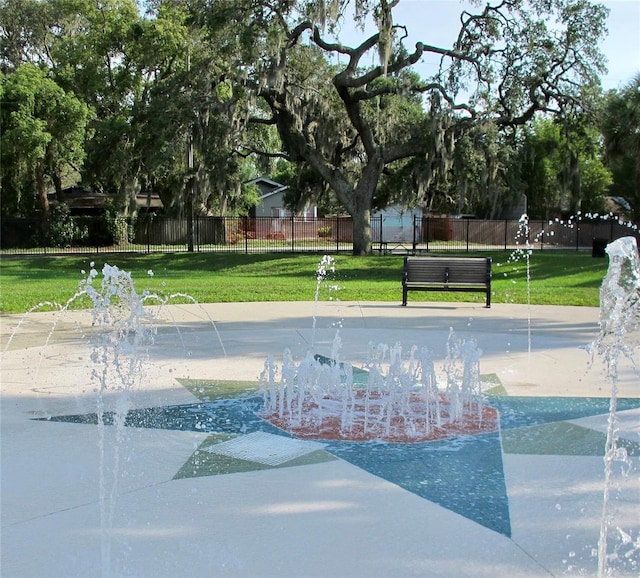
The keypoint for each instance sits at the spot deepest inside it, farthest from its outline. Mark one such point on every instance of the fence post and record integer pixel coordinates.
(337, 234)
(468, 235)
(149, 223)
(293, 234)
(246, 234)
(413, 233)
(428, 232)
(506, 227)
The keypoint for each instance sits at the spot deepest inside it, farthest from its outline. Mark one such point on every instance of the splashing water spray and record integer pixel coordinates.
(618, 338)
(394, 398)
(325, 268)
(123, 329)
(524, 232)
(118, 355)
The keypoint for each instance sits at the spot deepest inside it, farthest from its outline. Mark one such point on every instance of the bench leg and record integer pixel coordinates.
(404, 297)
(488, 298)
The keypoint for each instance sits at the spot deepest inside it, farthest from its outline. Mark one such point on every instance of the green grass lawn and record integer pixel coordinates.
(557, 278)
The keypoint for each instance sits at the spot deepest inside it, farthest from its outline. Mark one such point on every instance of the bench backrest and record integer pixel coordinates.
(452, 270)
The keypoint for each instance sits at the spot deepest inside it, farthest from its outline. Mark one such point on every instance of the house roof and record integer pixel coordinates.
(82, 199)
(265, 180)
(79, 198)
(267, 186)
(616, 205)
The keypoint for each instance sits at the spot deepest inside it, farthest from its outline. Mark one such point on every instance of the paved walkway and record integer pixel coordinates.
(524, 502)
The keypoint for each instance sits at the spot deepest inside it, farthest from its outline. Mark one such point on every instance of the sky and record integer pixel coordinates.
(436, 22)
(622, 45)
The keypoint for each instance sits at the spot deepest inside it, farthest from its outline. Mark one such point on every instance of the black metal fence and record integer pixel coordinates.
(150, 234)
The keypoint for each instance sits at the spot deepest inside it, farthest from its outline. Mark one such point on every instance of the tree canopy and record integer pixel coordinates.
(621, 130)
(511, 61)
(43, 133)
(191, 98)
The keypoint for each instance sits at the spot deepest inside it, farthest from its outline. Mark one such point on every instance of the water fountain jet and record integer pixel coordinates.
(392, 399)
(618, 338)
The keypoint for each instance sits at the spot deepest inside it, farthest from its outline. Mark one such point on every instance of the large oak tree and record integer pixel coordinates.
(42, 138)
(511, 60)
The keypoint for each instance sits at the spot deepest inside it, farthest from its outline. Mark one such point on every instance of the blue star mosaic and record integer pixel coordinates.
(463, 474)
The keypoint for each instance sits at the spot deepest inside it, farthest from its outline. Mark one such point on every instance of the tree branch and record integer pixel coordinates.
(253, 150)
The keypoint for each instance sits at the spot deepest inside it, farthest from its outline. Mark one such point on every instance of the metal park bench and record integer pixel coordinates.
(446, 274)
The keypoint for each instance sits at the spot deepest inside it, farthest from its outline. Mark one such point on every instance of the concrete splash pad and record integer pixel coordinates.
(370, 509)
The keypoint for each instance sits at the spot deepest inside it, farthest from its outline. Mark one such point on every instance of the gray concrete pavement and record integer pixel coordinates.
(330, 518)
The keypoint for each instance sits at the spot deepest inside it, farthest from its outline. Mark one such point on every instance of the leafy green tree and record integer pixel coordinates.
(483, 167)
(563, 169)
(621, 130)
(157, 89)
(24, 33)
(183, 136)
(96, 52)
(88, 49)
(43, 132)
(511, 61)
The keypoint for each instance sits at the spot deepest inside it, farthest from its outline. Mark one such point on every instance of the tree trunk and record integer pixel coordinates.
(44, 205)
(42, 193)
(57, 183)
(362, 232)
(362, 203)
